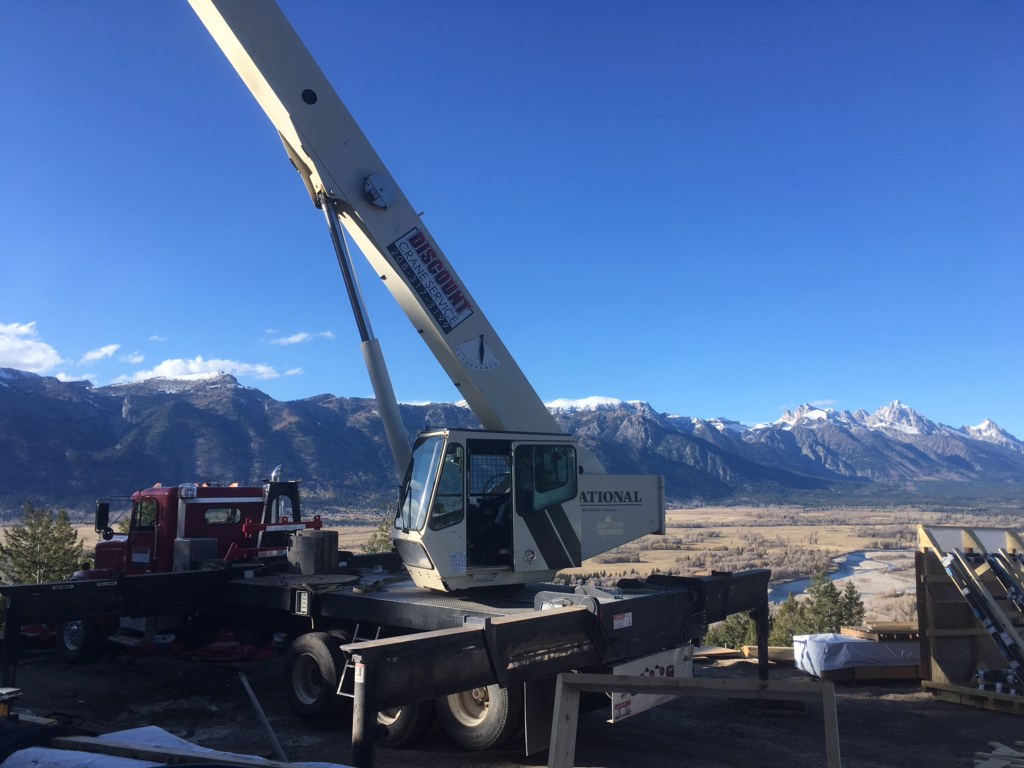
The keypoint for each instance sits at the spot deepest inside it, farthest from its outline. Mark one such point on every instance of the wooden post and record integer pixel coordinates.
(564, 723)
(566, 716)
(761, 616)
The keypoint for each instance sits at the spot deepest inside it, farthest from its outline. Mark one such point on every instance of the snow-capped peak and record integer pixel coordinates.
(807, 415)
(901, 418)
(990, 432)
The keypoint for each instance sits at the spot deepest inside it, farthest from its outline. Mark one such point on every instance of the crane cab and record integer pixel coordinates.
(481, 508)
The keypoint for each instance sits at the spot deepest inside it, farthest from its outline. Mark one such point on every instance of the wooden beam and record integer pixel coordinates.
(168, 755)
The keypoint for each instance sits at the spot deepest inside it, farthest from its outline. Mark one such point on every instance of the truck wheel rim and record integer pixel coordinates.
(307, 682)
(470, 707)
(74, 632)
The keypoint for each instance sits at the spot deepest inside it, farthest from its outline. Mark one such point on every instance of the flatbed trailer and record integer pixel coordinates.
(406, 644)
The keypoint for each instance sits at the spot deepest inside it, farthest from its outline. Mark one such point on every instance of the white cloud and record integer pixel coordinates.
(133, 358)
(98, 354)
(294, 372)
(824, 403)
(20, 348)
(179, 368)
(302, 337)
(158, 338)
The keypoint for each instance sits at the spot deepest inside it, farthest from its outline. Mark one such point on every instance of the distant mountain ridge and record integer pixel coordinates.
(70, 443)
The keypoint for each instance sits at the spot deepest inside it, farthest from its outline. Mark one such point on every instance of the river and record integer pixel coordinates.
(847, 563)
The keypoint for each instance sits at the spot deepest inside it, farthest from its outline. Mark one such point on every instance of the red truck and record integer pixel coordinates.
(188, 527)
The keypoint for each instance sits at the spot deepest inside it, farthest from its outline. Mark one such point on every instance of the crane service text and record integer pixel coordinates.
(435, 284)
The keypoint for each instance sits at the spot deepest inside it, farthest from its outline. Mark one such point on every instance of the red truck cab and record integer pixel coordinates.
(173, 527)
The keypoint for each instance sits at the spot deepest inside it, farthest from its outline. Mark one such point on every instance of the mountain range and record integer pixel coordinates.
(69, 443)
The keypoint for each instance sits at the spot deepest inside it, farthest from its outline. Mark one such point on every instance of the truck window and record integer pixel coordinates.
(448, 503)
(222, 516)
(144, 515)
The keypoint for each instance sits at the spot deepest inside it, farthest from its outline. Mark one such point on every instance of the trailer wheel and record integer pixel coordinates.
(404, 725)
(80, 641)
(312, 667)
(483, 717)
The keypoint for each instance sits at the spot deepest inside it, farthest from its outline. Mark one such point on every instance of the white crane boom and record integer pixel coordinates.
(335, 159)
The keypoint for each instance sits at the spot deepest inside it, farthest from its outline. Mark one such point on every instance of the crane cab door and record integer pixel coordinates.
(518, 514)
(489, 524)
(546, 521)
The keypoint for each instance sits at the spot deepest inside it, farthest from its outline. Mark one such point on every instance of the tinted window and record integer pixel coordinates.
(222, 515)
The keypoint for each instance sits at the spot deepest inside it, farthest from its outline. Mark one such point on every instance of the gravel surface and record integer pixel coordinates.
(895, 724)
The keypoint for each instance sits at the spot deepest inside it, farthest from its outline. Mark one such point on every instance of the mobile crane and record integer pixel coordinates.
(512, 504)
(486, 515)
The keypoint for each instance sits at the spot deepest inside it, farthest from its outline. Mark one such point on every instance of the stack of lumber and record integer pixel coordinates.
(1001, 756)
(970, 599)
(778, 653)
(881, 631)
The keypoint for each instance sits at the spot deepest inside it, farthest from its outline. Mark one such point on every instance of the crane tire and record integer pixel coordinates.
(482, 718)
(312, 668)
(80, 641)
(402, 726)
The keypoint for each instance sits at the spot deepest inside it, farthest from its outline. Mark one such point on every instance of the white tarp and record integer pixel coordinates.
(817, 654)
(147, 736)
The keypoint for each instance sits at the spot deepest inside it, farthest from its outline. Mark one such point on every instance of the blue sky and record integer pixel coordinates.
(724, 209)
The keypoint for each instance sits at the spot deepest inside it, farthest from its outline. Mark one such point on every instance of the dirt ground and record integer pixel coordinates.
(894, 724)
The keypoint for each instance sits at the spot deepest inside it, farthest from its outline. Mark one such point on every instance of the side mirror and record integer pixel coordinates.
(108, 534)
(102, 516)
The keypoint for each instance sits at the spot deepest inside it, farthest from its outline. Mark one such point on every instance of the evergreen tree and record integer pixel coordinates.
(380, 539)
(736, 631)
(789, 619)
(42, 547)
(851, 607)
(824, 604)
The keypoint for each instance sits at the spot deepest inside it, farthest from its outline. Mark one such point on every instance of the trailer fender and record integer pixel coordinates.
(484, 717)
(404, 725)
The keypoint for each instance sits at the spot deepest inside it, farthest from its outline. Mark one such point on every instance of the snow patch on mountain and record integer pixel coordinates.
(184, 383)
(808, 416)
(595, 403)
(727, 426)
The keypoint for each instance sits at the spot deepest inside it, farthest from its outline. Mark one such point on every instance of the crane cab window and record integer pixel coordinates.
(144, 515)
(545, 476)
(448, 506)
(419, 484)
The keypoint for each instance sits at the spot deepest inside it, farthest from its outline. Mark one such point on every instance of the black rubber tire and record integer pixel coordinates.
(405, 725)
(81, 642)
(482, 718)
(312, 668)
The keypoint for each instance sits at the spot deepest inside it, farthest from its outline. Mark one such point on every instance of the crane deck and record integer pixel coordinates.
(379, 599)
